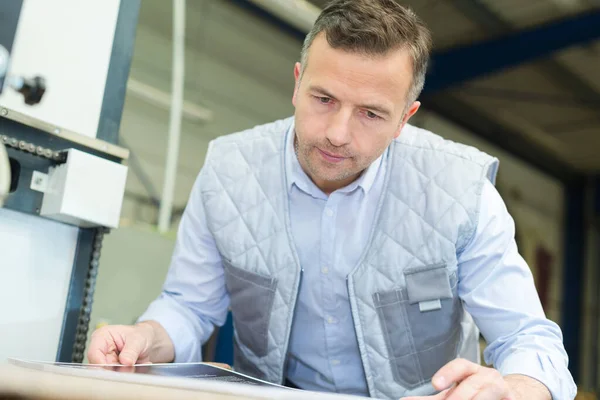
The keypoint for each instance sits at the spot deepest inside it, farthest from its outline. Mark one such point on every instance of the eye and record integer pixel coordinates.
(324, 100)
(372, 115)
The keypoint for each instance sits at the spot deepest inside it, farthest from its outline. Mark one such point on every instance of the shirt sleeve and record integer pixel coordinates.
(194, 298)
(497, 288)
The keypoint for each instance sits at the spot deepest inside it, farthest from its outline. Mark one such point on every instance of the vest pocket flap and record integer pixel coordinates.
(424, 284)
(249, 277)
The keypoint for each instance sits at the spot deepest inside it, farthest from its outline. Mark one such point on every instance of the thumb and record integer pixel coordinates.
(131, 351)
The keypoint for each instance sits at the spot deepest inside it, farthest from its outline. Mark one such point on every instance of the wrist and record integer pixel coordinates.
(160, 346)
(524, 387)
(147, 329)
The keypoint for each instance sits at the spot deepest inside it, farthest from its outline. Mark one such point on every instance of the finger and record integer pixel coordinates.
(98, 349)
(112, 358)
(131, 351)
(96, 356)
(454, 372)
(220, 365)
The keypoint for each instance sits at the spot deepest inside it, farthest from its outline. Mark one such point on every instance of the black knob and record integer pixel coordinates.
(32, 89)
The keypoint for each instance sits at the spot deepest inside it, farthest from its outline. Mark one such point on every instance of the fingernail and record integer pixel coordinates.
(439, 382)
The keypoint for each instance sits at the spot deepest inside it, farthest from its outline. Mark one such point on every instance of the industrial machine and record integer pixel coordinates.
(62, 176)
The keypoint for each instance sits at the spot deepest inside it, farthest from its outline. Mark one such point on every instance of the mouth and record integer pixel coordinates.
(332, 158)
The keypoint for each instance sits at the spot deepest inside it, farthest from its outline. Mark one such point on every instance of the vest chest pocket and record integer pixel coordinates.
(421, 323)
(252, 297)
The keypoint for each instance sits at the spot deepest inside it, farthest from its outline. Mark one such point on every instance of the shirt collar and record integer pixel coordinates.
(296, 175)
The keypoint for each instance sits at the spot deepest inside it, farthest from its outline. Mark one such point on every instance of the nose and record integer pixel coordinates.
(338, 131)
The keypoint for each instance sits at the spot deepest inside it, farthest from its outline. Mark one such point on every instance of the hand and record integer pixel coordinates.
(220, 365)
(464, 380)
(121, 344)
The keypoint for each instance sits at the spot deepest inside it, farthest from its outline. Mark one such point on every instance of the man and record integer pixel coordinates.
(358, 254)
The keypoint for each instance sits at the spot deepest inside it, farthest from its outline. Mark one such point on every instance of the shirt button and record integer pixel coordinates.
(325, 270)
(329, 212)
(335, 362)
(331, 320)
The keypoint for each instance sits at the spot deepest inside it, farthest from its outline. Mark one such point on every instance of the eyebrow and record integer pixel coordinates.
(375, 107)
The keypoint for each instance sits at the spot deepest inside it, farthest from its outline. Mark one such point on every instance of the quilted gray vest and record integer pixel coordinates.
(408, 318)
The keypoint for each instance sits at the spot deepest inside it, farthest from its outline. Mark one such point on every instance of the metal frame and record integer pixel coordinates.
(494, 25)
(91, 145)
(575, 242)
(9, 20)
(595, 363)
(16, 125)
(175, 115)
(79, 287)
(118, 71)
(483, 58)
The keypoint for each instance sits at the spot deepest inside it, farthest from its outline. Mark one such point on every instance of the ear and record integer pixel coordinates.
(297, 72)
(411, 111)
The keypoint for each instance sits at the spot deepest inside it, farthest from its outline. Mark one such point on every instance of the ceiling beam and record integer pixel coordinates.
(495, 25)
(454, 66)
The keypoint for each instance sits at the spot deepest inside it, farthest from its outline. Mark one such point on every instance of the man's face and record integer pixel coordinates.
(349, 107)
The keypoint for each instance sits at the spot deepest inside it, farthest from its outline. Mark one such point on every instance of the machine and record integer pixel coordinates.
(62, 176)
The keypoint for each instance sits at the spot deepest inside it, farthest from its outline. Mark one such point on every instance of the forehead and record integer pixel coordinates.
(358, 74)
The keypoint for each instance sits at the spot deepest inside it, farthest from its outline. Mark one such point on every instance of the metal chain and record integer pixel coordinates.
(83, 322)
(39, 151)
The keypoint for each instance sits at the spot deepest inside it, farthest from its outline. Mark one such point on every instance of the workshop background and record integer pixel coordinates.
(517, 79)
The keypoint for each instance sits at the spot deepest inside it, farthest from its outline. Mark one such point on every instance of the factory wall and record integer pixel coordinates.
(243, 74)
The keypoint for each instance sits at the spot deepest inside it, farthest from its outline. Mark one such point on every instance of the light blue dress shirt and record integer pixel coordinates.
(330, 233)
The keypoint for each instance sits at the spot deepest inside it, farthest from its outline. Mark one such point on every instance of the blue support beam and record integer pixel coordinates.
(595, 364)
(455, 66)
(573, 272)
(496, 25)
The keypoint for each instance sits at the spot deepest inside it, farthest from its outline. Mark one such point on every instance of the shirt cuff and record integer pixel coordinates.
(556, 378)
(176, 320)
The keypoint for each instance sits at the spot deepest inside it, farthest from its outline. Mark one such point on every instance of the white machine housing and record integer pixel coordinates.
(86, 191)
